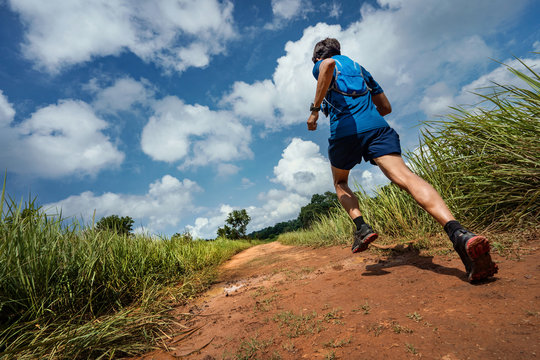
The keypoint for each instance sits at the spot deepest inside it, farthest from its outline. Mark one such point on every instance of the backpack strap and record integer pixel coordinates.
(333, 86)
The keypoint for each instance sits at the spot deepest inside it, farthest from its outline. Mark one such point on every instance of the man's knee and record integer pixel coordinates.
(340, 183)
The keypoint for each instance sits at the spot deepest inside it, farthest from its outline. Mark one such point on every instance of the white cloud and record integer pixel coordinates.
(255, 101)
(206, 227)
(224, 170)
(335, 10)
(502, 75)
(195, 55)
(6, 111)
(122, 95)
(246, 183)
(283, 100)
(484, 84)
(194, 134)
(452, 49)
(371, 179)
(286, 9)
(167, 201)
(278, 206)
(437, 100)
(303, 169)
(173, 34)
(57, 140)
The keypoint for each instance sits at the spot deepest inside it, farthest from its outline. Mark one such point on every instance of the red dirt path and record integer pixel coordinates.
(282, 302)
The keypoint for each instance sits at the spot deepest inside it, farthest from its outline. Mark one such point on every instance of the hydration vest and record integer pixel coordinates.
(348, 80)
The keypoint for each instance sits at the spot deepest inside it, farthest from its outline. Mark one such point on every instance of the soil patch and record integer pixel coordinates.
(282, 302)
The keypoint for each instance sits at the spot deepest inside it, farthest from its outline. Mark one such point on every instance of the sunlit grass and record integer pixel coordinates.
(68, 291)
(334, 229)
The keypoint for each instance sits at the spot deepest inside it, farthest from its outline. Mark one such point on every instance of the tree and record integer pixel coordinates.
(120, 225)
(184, 237)
(30, 215)
(272, 232)
(319, 205)
(236, 225)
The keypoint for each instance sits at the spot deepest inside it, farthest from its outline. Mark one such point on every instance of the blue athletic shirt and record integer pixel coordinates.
(348, 115)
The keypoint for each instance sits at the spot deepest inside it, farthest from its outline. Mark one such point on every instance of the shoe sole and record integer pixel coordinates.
(371, 238)
(482, 266)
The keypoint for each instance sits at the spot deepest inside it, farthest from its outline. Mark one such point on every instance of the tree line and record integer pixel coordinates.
(237, 221)
(319, 205)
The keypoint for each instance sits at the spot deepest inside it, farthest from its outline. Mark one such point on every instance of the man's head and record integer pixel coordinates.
(326, 48)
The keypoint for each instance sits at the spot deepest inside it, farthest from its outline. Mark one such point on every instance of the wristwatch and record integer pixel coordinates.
(312, 108)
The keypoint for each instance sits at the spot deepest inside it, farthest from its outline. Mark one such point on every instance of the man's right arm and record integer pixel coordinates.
(326, 72)
(382, 104)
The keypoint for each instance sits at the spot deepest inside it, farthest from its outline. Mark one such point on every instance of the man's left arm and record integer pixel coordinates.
(326, 71)
(377, 95)
(382, 104)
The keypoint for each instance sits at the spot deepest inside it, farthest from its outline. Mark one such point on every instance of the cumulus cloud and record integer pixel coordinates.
(6, 111)
(167, 201)
(502, 75)
(278, 206)
(254, 101)
(246, 183)
(122, 95)
(58, 140)
(286, 9)
(437, 98)
(224, 170)
(282, 100)
(403, 65)
(206, 227)
(371, 179)
(173, 34)
(194, 134)
(303, 169)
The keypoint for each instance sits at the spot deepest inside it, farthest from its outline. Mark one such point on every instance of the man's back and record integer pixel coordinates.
(351, 115)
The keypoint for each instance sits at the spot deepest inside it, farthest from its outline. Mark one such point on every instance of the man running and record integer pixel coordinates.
(358, 131)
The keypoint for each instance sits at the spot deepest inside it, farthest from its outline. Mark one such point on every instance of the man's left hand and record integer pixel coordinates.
(312, 121)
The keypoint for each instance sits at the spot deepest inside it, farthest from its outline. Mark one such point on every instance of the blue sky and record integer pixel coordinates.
(176, 112)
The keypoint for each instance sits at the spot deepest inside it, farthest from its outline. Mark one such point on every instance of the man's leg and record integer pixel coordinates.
(425, 195)
(345, 196)
(472, 249)
(364, 234)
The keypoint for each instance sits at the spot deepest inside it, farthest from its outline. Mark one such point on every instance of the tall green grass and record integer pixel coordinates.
(68, 291)
(490, 156)
(333, 229)
(485, 162)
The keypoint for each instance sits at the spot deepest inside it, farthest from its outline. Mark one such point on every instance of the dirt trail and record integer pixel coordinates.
(283, 302)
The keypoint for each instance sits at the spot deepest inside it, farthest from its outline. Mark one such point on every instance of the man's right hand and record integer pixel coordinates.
(312, 121)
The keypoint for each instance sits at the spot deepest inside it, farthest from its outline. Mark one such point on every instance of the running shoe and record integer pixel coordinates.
(363, 237)
(474, 252)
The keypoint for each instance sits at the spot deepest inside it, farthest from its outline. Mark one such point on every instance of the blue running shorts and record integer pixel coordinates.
(346, 152)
